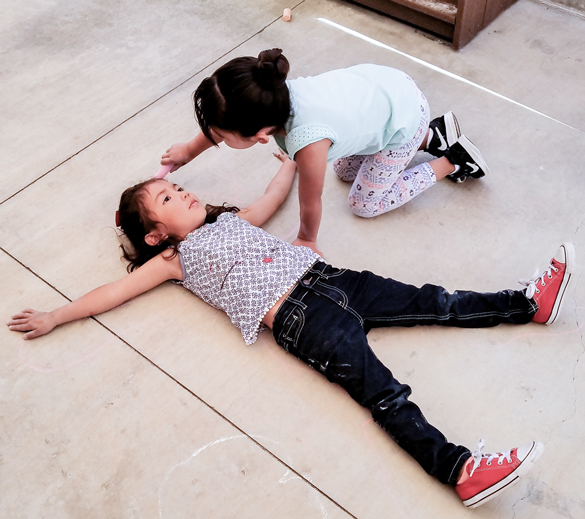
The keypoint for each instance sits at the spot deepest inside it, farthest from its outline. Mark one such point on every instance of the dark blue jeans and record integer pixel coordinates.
(324, 323)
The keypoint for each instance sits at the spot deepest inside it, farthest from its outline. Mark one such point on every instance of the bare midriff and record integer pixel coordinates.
(269, 316)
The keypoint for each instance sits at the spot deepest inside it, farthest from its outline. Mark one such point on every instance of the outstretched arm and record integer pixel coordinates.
(182, 152)
(262, 209)
(106, 297)
(312, 163)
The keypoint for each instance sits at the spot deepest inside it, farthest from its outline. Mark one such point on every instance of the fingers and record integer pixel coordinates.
(166, 156)
(32, 322)
(281, 156)
(31, 335)
(20, 327)
(24, 314)
(170, 149)
(17, 320)
(21, 321)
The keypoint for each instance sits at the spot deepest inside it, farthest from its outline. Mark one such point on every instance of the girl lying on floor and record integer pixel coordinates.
(319, 313)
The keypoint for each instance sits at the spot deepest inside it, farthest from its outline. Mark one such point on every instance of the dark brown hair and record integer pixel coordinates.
(245, 95)
(135, 221)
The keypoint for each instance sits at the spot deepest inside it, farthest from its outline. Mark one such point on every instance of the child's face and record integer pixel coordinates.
(178, 211)
(236, 141)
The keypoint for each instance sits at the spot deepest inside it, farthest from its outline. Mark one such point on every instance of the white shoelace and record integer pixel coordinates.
(478, 455)
(532, 283)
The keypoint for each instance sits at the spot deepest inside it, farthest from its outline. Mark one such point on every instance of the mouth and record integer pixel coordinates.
(193, 202)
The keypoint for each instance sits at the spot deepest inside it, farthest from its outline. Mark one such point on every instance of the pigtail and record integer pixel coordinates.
(213, 211)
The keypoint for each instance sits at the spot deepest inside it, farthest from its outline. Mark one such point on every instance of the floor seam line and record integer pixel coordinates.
(185, 388)
(140, 111)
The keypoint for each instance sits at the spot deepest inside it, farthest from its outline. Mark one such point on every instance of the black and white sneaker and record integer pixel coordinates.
(443, 132)
(467, 160)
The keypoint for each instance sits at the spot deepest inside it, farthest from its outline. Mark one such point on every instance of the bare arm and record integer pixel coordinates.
(312, 163)
(182, 152)
(262, 209)
(99, 300)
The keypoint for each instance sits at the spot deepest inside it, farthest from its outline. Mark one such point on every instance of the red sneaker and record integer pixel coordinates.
(489, 474)
(549, 288)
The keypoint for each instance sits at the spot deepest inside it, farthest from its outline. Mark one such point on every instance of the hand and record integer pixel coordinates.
(178, 154)
(311, 244)
(33, 322)
(281, 156)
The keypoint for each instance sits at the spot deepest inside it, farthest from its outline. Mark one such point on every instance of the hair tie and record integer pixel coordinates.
(117, 218)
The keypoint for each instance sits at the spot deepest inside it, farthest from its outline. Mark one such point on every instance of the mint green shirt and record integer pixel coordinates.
(362, 110)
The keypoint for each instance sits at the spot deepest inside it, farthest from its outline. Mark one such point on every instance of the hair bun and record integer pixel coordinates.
(273, 68)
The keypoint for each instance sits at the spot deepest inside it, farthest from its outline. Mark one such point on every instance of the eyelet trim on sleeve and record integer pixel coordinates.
(306, 134)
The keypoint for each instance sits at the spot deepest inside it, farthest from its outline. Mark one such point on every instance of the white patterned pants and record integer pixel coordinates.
(381, 181)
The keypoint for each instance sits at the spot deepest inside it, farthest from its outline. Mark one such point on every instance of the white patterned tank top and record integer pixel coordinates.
(241, 269)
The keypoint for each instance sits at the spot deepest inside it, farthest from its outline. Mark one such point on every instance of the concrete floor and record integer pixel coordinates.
(157, 409)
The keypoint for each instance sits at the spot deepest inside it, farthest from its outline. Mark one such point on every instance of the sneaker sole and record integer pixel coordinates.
(475, 155)
(569, 267)
(452, 127)
(489, 493)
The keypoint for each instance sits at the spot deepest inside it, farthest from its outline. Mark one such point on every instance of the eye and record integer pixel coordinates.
(166, 199)
(180, 189)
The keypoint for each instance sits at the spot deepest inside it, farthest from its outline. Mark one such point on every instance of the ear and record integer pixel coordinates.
(263, 136)
(153, 238)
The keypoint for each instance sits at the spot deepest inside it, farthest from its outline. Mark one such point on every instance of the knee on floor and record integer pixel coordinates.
(362, 212)
(366, 211)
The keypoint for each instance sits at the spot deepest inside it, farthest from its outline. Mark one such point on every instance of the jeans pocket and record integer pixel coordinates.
(291, 329)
